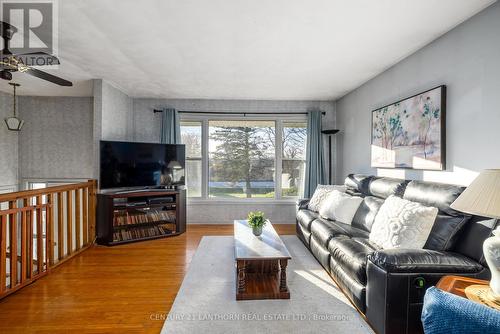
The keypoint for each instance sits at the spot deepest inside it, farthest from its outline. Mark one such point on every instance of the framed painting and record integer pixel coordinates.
(411, 133)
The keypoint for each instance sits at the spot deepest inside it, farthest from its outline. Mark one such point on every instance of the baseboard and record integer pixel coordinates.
(231, 223)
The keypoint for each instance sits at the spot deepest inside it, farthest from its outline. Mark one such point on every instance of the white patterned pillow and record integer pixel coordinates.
(402, 224)
(339, 206)
(322, 190)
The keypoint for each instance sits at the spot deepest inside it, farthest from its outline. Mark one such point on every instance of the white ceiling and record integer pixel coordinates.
(240, 49)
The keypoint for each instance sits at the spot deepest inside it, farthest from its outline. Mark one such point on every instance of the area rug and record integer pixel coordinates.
(206, 301)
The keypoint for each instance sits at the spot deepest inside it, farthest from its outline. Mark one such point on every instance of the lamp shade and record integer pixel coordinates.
(14, 123)
(174, 165)
(482, 196)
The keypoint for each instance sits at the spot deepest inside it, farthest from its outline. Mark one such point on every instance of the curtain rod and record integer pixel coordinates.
(237, 113)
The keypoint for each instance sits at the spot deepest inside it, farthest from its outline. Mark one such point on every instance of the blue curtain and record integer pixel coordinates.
(170, 127)
(315, 173)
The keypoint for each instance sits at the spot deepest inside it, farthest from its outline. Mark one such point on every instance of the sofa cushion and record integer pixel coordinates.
(305, 218)
(434, 194)
(384, 187)
(355, 291)
(302, 204)
(319, 252)
(445, 231)
(402, 224)
(352, 231)
(365, 215)
(367, 243)
(423, 261)
(304, 235)
(339, 206)
(351, 255)
(381, 187)
(323, 230)
(321, 192)
(357, 183)
(471, 237)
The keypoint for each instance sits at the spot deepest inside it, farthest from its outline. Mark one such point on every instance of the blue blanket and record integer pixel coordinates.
(445, 313)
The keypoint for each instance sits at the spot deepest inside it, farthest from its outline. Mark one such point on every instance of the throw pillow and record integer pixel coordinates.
(320, 194)
(339, 206)
(402, 224)
(445, 232)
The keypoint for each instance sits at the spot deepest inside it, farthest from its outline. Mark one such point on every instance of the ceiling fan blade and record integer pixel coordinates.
(49, 77)
(30, 59)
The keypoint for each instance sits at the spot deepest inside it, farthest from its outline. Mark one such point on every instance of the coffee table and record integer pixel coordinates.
(260, 263)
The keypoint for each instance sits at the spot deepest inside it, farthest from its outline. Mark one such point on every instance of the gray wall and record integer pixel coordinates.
(113, 117)
(225, 212)
(8, 147)
(467, 60)
(60, 136)
(96, 124)
(147, 129)
(147, 125)
(117, 115)
(56, 140)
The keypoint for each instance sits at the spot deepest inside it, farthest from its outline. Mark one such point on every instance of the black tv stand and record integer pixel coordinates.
(140, 214)
(131, 191)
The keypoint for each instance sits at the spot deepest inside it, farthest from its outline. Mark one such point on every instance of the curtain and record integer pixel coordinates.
(315, 173)
(170, 127)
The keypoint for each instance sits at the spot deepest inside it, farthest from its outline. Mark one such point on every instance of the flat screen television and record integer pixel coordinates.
(131, 164)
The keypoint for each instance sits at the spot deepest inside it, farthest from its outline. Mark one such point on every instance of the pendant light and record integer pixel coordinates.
(14, 123)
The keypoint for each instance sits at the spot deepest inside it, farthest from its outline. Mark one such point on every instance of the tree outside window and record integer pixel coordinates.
(243, 156)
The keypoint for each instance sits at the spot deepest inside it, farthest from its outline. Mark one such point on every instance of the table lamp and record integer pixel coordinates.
(482, 198)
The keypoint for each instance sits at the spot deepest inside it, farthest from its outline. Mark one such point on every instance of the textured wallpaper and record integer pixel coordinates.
(56, 141)
(61, 134)
(8, 145)
(117, 115)
(147, 125)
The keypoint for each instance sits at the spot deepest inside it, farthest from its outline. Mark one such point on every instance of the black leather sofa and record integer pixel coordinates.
(388, 286)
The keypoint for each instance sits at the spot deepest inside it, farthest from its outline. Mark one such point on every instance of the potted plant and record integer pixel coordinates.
(256, 221)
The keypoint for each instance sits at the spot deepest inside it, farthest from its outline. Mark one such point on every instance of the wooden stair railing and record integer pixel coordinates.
(42, 228)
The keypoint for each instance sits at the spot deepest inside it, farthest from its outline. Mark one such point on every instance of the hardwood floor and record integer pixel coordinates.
(122, 289)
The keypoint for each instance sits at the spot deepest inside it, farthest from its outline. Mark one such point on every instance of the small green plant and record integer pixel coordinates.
(256, 219)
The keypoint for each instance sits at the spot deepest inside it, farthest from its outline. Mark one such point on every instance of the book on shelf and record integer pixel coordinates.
(143, 232)
(144, 217)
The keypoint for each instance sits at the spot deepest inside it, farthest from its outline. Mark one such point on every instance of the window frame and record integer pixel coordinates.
(27, 183)
(279, 120)
(200, 158)
(289, 159)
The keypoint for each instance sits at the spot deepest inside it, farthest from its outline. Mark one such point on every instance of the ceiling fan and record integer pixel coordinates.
(12, 63)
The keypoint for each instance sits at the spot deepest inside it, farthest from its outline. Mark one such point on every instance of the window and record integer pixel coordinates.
(245, 158)
(37, 185)
(241, 159)
(41, 184)
(293, 158)
(191, 136)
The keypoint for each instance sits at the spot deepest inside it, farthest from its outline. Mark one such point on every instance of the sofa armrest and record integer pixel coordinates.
(423, 261)
(393, 298)
(302, 203)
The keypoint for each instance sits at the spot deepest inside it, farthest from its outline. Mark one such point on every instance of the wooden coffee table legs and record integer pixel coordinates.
(240, 267)
(283, 286)
(261, 279)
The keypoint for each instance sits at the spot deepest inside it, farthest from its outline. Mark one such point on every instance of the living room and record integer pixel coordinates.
(233, 166)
